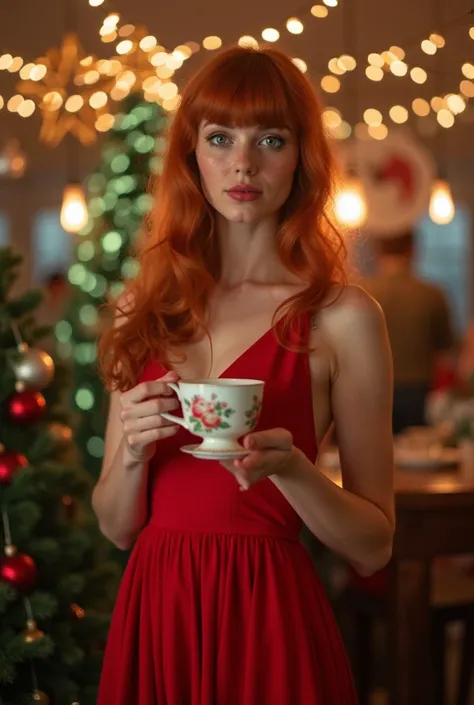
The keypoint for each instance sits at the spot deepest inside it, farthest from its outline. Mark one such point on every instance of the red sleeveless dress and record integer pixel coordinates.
(220, 603)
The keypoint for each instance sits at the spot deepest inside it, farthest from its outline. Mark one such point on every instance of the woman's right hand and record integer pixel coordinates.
(140, 414)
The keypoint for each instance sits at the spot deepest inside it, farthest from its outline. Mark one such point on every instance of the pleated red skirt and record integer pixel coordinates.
(216, 619)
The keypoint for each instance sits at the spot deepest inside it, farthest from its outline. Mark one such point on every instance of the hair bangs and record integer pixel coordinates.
(244, 93)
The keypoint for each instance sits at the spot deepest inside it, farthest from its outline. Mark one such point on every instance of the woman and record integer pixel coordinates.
(242, 276)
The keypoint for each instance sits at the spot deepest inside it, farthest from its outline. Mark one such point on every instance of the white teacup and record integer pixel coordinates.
(220, 411)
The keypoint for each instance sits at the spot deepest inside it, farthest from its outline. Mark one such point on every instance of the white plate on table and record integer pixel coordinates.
(407, 458)
(426, 459)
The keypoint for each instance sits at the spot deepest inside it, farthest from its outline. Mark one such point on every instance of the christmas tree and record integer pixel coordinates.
(119, 197)
(56, 585)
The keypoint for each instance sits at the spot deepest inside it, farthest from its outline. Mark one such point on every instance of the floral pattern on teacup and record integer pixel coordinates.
(207, 415)
(254, 413)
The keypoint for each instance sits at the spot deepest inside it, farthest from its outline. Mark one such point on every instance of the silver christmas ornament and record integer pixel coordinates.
(34, 368)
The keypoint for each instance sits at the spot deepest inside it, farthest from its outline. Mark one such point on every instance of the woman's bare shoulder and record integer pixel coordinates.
(352, 322)
(348, 307)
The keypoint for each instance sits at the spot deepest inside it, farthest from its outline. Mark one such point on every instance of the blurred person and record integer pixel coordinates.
(55, 289)
(465, 367)
(419, 328)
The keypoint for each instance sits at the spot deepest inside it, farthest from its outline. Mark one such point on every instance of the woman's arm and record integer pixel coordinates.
(358, 520)
(133, 431)
(134, 427)
(119, 498)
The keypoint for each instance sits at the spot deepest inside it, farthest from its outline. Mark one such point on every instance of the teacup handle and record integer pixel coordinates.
(173, 419)
(175, 388)
(170, 417)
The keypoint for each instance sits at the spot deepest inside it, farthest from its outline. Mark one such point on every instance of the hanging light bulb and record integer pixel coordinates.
(12, 160)
(73, 210)
(441, 203)
(350, 207)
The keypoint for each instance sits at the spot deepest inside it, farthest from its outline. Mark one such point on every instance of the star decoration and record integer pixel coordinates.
(149, 74)
(137, 59)
(63, 93)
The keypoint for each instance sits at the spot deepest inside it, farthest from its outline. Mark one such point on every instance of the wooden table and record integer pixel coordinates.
(435, 516)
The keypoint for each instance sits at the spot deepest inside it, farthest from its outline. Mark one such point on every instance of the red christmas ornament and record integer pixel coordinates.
(10, 462)
(26, 407)
(19, 571)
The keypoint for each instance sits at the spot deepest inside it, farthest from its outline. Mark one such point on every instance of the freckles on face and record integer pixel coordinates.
(210, 167)
(263, 159)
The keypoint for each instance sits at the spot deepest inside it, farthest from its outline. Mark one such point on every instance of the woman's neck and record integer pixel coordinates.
(249, 254)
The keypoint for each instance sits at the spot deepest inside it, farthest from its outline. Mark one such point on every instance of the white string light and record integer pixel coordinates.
(293, 25)
(391, 61)
(110, 30)
(446, 108)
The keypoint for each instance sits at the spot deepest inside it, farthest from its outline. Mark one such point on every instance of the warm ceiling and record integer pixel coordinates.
(358, 27)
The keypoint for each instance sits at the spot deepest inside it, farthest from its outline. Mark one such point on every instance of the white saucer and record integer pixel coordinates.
(214, 455)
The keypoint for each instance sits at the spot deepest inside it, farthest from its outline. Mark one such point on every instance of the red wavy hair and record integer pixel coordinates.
(166, 305)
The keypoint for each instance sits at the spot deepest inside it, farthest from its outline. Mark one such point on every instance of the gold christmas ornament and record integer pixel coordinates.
(77, 611)
(59, 432)
(32, 633)
(40, 697)
(66, 93)
(34, 369)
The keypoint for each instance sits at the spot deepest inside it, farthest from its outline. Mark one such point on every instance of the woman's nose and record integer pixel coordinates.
(245, 161)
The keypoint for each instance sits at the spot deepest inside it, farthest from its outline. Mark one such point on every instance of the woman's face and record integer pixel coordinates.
(246, 172)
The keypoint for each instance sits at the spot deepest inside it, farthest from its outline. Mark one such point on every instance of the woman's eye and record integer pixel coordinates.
(273, 141)
(217, 139)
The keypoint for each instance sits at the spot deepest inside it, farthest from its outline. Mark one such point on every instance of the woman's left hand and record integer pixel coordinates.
(270, 453)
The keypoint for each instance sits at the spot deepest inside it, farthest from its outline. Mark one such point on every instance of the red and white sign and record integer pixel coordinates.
(396, 174)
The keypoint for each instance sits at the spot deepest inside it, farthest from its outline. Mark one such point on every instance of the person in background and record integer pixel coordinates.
(465, 367)
(55, 289)
(419, 327)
